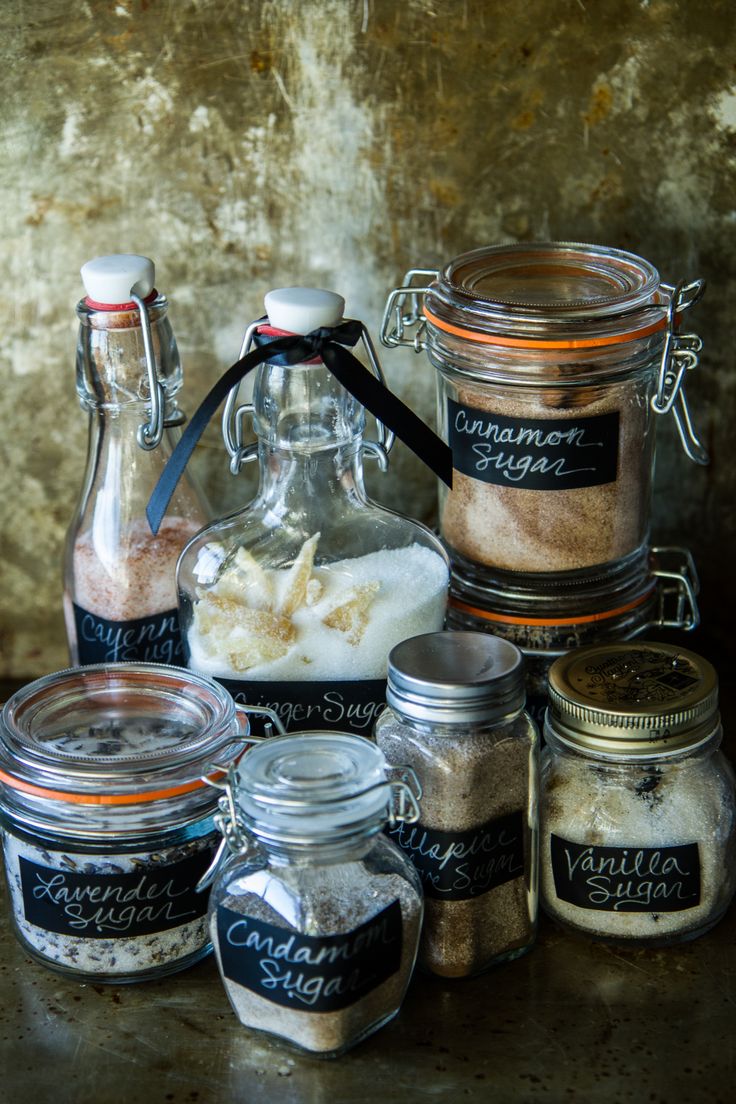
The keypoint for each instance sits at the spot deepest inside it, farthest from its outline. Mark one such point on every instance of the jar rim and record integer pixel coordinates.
(548, 295)
(38, 721)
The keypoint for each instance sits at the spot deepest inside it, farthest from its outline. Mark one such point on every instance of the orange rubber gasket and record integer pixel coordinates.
(543, 622)
(104, 799)
(529, 343)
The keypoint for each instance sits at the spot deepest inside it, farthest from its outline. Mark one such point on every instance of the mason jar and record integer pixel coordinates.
(316, 915)
(552, 360)
(456, 716)
(638, 814)
(107, 820)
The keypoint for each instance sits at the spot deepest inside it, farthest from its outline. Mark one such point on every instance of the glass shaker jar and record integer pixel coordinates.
(638, 812)
(107, 825)
(315, 917)
(295, 601)
(456, 716)
(120, 600)
(552, 360)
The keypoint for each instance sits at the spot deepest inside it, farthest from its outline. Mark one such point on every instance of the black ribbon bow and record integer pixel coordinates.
(329, 343)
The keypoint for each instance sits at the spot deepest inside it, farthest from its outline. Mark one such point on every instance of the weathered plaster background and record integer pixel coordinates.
(245, 145)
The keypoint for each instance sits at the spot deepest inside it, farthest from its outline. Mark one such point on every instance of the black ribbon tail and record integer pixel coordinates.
(328, 344)
(390, 410)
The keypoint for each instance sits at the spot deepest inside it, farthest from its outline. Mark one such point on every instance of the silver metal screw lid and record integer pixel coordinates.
(637, 698)
(456, 678)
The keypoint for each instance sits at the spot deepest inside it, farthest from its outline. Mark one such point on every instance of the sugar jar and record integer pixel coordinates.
(120, 601)
(107, 823)
(295, 601)
(638, 813)
(315, 917)
(456, 716)
(553, 360)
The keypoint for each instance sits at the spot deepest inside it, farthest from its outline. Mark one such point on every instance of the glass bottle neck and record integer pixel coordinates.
(293, 479)
(112, 368)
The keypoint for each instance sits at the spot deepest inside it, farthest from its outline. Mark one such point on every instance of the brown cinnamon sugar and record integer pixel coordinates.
(515, 528)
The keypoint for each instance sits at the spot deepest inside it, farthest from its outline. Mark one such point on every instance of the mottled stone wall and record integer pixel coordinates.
(246, 145)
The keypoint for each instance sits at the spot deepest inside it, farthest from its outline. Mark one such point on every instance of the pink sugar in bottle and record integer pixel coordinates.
(120, 601)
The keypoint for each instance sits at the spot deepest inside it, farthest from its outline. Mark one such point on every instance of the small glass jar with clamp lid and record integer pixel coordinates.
(107, 820)
(638, 812)
(315, 917)
(456, 716)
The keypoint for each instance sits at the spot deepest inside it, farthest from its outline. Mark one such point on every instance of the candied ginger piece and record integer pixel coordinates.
(260, 637)
(351, 616)
(251, 651)
(298, 576)
(245, 580)
(315, 590)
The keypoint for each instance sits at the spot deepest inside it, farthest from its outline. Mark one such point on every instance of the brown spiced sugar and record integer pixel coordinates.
(515, 528)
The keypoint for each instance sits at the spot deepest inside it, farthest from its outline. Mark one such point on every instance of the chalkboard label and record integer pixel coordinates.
(458, 866)
(108, 906)
(626, 879)
(343, 706)
(154, 639)
(309, 973)
(535, 454)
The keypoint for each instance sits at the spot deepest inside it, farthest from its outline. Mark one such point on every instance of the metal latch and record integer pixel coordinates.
(678, 587)
(680, 355)
(404, 311)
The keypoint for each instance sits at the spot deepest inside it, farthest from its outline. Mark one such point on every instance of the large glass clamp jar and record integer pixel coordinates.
(315, 916)
(107, 809)
(120, 600)
(295, 601)
(547, 621)
(552, 361)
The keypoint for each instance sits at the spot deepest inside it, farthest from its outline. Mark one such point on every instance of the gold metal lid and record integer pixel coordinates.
(632, 699)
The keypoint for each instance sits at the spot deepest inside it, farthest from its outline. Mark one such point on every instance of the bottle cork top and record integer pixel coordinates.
(114, 278)
(300, 310)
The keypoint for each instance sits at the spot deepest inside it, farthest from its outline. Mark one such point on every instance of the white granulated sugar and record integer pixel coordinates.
(409, 599)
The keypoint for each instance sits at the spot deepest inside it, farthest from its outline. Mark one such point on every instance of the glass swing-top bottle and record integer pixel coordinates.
(119, 580)
(295, 601)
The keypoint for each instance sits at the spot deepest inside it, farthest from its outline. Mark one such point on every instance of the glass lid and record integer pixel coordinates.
(312, 784)
(547, 287)
(122, 727)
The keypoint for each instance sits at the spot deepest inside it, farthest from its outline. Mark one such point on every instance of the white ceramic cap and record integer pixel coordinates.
(301, 310)
(111, 279)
